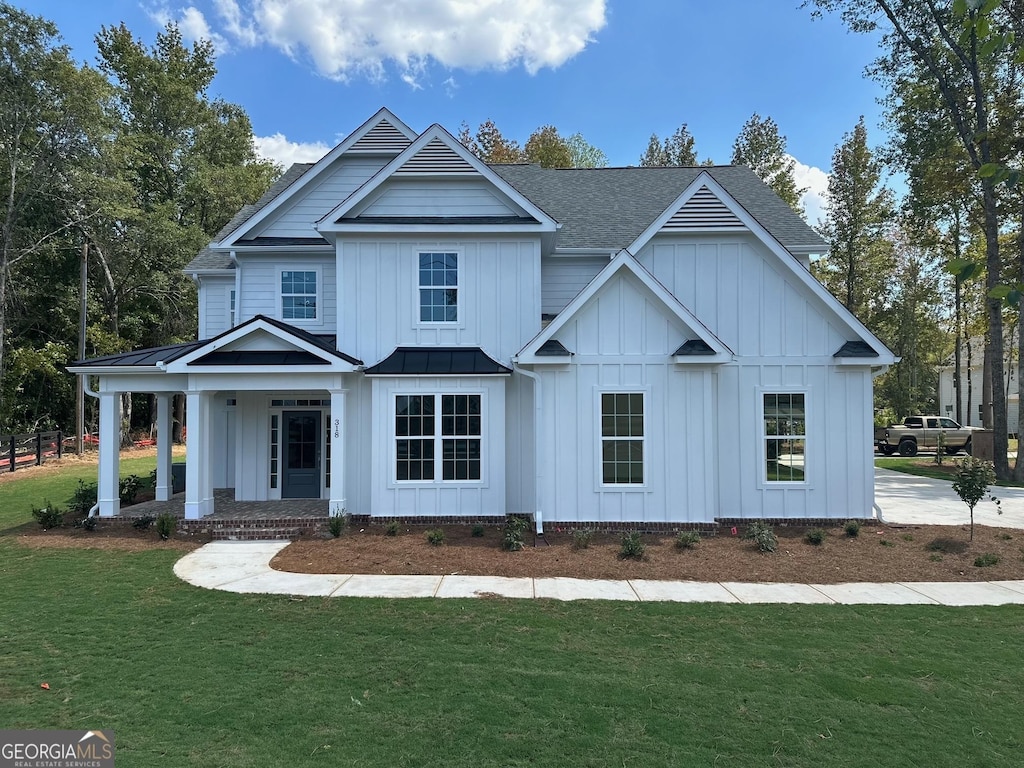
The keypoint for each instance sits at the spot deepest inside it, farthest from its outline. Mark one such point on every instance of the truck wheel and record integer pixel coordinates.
(888, 450)
(968, 448)
(952, 451)
(908, 448)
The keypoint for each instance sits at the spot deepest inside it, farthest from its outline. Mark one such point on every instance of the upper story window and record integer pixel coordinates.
(439, 287)
(622, 438)
(785, 436)
(299, 295)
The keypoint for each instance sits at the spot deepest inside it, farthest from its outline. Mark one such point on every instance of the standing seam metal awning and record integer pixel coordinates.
(438, 361)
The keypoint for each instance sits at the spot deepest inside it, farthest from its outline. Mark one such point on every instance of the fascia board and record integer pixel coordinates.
(435, 131)
(313, 173)
(180, 365)
(355, 227)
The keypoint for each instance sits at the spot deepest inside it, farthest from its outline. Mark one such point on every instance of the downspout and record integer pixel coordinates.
(89, 391)
(537, 398)
(238, 289)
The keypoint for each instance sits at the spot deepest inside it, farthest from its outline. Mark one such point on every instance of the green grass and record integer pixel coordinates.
(925, 467)
(187, 677)
(17, 497)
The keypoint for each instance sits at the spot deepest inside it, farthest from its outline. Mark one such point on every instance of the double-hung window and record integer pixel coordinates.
(438, 437)
(785, 437)
(622, 438)
(299, 295)
(439, 287)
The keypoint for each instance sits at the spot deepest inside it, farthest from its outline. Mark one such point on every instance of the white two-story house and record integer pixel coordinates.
(405, 331)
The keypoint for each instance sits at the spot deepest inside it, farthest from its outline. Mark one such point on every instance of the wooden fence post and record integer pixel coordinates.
(39, 448)
(14, 443)
(60, 444)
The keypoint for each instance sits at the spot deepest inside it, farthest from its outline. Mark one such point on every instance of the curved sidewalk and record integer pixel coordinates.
(244, 567)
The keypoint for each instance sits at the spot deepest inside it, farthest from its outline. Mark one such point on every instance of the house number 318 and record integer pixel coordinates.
(337, 427)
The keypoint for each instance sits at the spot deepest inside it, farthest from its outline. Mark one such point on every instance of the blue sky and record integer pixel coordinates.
(309, 71)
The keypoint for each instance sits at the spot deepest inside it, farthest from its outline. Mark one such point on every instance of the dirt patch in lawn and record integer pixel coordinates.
(116, 536)
(878, 553)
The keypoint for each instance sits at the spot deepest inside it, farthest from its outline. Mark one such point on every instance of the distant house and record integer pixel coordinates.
(971, 378)
(404, 331)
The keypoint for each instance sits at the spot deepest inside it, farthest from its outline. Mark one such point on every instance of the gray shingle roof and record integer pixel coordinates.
(609, 208)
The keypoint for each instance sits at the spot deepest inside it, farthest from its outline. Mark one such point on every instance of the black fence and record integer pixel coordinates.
(29, 450)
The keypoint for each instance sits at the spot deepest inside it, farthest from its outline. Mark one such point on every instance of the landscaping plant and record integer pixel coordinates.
(815, 536)
(763, 536)
(336, 524)
(972, 478)
(166, 525)
(128, 489)
(852, 528)
(687, 539)
(49, 516)
(435, 537)
(581, 539)
(143, 522)
(392, 528)
(515, 529)
(632, 547)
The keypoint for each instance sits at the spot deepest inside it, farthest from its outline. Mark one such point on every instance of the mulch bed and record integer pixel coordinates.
(880, 553)
(115, 536)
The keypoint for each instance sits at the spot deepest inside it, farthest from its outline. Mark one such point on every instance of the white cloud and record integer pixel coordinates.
(279, 149)
(348, 38)
(816, 181)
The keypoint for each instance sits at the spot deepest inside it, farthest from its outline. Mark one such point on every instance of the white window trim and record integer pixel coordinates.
(762, 439)
(438, 481)
(278, 275)
(459, 321)
(599, 455)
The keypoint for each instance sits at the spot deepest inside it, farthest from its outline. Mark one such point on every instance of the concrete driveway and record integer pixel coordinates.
(903, 498)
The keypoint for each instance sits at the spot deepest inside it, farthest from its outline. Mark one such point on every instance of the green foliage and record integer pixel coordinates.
(581, 538)
(166, 524)
(986, 560)
(677, 149)
(435, 537)
(87, 523)
(48, 516)
(548, 149)
(851, 528)
(336, 525)
(632, 547)
(947, 545)
(477, 532)
(887, 543)
(392, 528)
(583, 154)
(763, 536)
(83, 499)
(687, 539)
(128, 488)
(761, 147)
(815, 536)
(143, 522)
(971, 482)
(513, 535)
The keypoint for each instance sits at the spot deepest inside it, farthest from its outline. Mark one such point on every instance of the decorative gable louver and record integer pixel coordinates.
(435, 157)
(703, 211)
(383, 138)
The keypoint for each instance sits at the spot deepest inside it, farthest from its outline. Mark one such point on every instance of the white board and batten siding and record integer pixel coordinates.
(498, 301)
(296, 217)
(784, 339)
(215, 304)
(622, 341)
(390, 497)
(261, 287)
(414, 197)
(562, 277)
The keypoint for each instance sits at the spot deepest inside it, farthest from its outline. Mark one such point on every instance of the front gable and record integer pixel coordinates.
(625, 312)
(435, 182)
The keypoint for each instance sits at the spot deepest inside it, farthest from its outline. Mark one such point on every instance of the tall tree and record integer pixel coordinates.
(490, 145)
(860, 261)
(548, 149)
(955, 47)
(49, 118)
(583, 154)
(677, 149)
(761, 146)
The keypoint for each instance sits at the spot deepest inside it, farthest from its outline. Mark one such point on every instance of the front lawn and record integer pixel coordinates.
(187, 677)
(925, 466)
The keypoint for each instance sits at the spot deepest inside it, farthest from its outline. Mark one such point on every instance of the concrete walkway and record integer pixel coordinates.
(244, 566)
(903, 498)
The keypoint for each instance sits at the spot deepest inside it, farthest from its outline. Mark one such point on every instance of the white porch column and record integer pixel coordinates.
(107, 492)
(198, 485)
(163, 447)
(337, 504)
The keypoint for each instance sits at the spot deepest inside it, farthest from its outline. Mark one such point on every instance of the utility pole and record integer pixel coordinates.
(80, 382)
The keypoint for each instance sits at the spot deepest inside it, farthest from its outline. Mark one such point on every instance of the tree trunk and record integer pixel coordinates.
(1018, 466)
(179, 419)
(957, 370)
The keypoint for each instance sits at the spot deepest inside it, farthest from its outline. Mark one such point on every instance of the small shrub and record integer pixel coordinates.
(478, 531)
(392, 528)
(581, 539)
(128, 489)
(907, 536)
(435, 537)
(48, 516)
(86, 523)
(763, 536)
(687, 539)
(166, 525)
(143, 522)
(935, 557)
(83, 499)
(887, 543)
(946, 545)
(632, 547)
(985, 560)
(512, 538)
(815, 536)
(1004, 536)
(336, 525)
(852, 528)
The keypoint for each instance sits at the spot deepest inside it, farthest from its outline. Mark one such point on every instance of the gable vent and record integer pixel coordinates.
(382, 138)
(435, 157)
(703, 211)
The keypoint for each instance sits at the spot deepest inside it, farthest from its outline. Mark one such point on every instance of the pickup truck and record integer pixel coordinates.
(922, 432)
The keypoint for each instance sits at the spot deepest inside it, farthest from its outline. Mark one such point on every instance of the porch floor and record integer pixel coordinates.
(226, 508)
